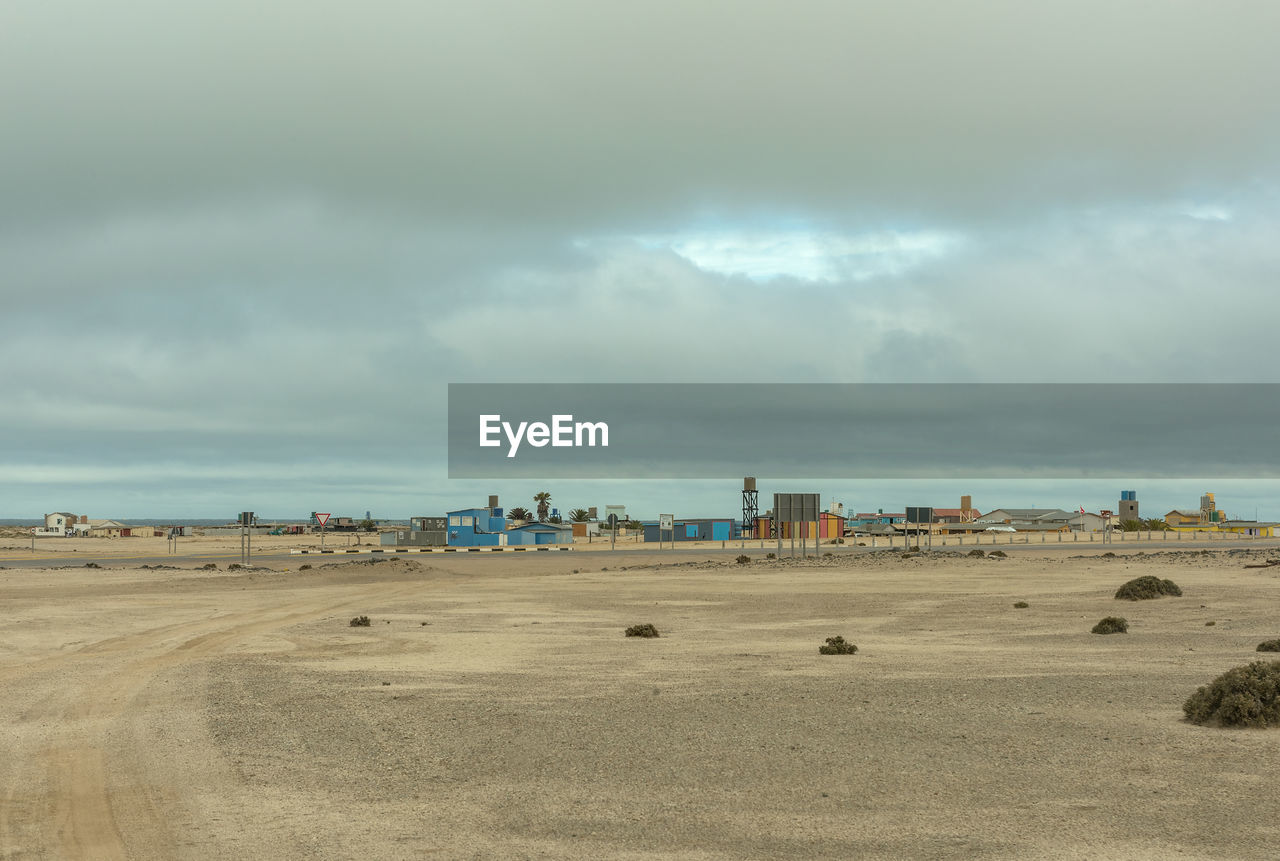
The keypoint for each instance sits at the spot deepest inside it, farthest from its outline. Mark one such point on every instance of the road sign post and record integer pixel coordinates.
(613, 530)
(246, 537)
(667, 523)
(322, 518)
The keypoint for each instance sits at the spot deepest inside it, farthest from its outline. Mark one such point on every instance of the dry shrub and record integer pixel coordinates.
(1112, 625)
(1145, 588)
(361, 622)
(743, 559)
(645, 630)
(1247, 696)
(1021, 605)
(976, 552)
(1269, 646)
(837, 646)
(999, 554)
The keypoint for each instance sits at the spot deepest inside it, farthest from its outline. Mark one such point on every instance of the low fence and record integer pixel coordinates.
(977, 539)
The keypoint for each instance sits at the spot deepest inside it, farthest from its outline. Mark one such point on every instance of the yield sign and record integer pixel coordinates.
(322, 518)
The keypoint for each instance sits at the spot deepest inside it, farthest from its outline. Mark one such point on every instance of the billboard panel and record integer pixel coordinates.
(919, 514)
(795, 507)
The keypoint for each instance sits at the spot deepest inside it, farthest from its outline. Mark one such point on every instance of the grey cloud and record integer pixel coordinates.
(240, 234)
(586, 114)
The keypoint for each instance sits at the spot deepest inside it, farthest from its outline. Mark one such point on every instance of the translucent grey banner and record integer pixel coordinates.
(884, 431)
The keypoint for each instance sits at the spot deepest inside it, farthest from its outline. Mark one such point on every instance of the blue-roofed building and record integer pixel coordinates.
(867, 519)
(540, 533)
(475, 527)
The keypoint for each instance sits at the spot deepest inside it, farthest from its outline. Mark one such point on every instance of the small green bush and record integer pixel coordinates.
(361, 622)
(1247, 696)
(1145, 588)
(1021, 605)
(837, 646)
(1269, 646)
(645, 630)
(744, 559)
(1112, 625)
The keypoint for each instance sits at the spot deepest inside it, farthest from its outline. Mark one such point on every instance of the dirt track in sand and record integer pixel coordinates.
(192, 714)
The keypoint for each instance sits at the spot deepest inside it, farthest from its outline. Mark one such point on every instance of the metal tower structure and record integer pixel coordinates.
(750, 504)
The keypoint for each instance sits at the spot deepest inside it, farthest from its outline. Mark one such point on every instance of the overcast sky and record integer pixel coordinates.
(245, 246)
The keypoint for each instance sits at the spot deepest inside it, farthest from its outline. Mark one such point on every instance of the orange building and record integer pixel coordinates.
(828, 526)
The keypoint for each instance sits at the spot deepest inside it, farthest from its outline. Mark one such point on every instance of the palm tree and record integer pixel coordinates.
(519, 514)
(544, 505)
(579, 515)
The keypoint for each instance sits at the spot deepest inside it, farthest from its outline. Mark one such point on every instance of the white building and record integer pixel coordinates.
(83, 527)
(57, 523)
(1088, 522)
(59, 520)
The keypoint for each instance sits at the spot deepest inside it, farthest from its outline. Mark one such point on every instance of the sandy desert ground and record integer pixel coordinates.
(494, 709)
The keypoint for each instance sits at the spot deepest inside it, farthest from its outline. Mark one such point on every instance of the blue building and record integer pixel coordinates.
(539, 533)
(476, 527)
(694, 529)
(862, 519)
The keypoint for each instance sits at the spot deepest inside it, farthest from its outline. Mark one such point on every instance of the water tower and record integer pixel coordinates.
(750, 504)
(1128, 507)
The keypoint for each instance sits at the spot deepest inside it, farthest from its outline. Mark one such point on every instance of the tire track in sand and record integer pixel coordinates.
(78, 807)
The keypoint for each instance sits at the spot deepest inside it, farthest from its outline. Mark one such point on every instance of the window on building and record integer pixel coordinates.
(467, 520)
(455, 520)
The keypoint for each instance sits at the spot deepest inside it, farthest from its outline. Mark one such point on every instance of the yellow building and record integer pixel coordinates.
(1251, 528)
(1194, 527)
(1182, 517)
